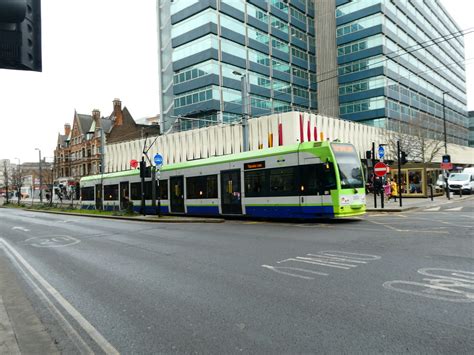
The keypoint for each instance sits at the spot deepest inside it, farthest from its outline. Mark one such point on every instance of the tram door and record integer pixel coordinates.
(177, 194)
(98, 196)
(231, 194)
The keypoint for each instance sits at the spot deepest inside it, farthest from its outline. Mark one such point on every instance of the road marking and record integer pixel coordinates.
(335, 259)
(432, 209)
(443, 284)
(21, 229)
(88, 328)
(55, 241)
(278, 270)
(454, 209)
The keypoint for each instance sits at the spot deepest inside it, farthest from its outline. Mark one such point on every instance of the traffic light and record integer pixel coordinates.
(446, 158)
(368, 154)
(20, 35)
(403, 157)
(145, 171)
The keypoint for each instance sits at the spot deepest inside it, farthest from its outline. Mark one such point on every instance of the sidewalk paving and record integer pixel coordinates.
(411, 203)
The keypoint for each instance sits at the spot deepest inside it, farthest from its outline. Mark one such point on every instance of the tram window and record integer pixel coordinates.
(193, 187)
(283, 182)
(201, 187)
(255, 183)
(135, 191)
(164, 189)
(111, 192)
(87, 193)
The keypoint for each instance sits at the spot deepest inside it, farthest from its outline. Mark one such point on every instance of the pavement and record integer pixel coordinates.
(411, 203)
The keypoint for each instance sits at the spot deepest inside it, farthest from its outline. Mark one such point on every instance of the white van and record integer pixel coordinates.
(469, 170)
(461, 181)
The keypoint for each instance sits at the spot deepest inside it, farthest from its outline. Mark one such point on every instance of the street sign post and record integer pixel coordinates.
(380, 169)
(381, 152)
(447, 166)
(158, 159)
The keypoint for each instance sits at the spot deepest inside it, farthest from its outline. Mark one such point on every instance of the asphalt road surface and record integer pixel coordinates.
(395, 283)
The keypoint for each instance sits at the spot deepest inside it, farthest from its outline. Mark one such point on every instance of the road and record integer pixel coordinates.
(384, 283)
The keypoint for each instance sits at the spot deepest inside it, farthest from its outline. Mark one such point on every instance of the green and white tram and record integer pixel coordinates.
(308, 180)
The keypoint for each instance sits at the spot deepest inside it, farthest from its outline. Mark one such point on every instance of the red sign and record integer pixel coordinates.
(133, 164)
(447, 166)
(380, 169)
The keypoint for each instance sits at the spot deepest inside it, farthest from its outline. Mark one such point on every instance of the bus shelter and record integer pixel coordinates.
(416, 179)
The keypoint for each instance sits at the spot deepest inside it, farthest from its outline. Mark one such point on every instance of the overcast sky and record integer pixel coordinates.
(98, 50)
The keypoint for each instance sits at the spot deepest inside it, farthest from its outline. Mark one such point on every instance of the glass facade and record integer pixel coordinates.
(400, 64)
(406, 56)
(271, 42)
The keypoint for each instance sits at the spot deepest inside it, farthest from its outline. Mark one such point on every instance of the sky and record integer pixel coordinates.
(98, 50)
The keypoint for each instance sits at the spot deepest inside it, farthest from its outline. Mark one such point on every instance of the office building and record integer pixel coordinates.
(391, 64)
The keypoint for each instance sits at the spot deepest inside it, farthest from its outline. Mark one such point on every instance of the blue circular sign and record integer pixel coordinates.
(381, 152)
(158, 159)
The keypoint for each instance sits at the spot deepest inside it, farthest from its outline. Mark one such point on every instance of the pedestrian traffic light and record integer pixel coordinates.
(20, 35)
(403, 157)
(446, 158)
(368, 154)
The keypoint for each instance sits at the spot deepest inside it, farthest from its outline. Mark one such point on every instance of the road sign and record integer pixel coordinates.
(158, 159)
(380, 169)
(381, 152)
(447, 166)
(133, 164)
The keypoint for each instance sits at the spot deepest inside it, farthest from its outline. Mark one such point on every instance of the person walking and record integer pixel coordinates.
(387, 189)
(394, 192)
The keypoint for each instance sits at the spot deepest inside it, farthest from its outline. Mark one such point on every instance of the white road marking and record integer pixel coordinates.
(432, 209)
(443, 284)
(454, 209)
(88, 328)
(55, 241)
(335, 259)
(21, 229)
(278, 269)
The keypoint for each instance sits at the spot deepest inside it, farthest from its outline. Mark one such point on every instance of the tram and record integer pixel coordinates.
(303, 181)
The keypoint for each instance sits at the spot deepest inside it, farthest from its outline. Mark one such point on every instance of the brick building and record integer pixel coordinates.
(78, 149)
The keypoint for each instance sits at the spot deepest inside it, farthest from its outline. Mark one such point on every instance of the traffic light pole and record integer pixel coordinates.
(399, 176)
(374, 185)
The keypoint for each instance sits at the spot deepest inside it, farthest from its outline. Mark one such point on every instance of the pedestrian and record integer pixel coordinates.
(394, 188)
(387, 189)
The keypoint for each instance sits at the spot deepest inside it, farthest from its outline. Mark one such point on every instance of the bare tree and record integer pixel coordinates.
(417, 139)
(17, 181)
(6, 179)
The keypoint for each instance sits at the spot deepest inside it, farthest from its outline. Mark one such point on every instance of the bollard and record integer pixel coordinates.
(431, 192)
(460, 192)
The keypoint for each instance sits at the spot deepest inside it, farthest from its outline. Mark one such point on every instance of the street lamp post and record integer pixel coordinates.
(445, 144)
(40, 176)
(245, 109)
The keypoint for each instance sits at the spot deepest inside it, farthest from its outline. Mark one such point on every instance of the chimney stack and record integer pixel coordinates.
(118, 112)
(96, 117)
(67, 129)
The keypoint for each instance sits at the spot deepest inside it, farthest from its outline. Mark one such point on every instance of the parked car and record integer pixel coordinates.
(441, 183)
(461, 182)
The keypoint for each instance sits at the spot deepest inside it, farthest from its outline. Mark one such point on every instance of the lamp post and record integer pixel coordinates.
(445, 144)
(40, 176)
(245, 108)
